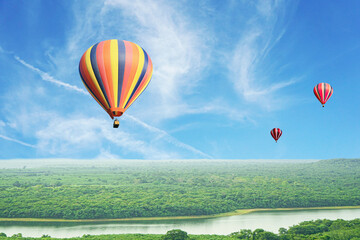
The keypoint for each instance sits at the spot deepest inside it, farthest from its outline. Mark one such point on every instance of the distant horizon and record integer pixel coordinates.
(183, 159)
(56, 162)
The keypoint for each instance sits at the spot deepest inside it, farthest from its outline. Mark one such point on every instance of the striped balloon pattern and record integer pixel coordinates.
(276, 133)
(323, 92)
(115, 72)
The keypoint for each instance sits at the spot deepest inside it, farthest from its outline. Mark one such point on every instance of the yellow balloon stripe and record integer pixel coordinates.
(114, 54)
(137, 74)
(92, 75)
(141, 90)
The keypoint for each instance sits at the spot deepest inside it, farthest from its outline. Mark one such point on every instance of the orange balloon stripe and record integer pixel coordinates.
(86, 76)
(101, 67)
(132, 66)
(145, 81)
(107, 68)
(126, 79)
(138, 92)
(134, 63)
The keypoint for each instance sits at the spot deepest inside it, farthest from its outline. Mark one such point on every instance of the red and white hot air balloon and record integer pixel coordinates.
(276, 133)
(323, 92)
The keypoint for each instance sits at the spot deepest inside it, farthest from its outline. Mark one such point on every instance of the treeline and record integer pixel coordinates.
(180, 188)
(318, 229)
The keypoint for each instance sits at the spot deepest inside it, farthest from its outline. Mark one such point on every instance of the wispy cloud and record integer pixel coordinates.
(69, 136)
(47, 77)
(177, 46)
(61, 135)
(2, 50)
(248, 61)
(3, 126)
(17, 141)
(161, 134)
(106, 154)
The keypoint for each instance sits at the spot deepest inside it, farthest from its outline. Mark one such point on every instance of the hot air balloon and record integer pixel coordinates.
(276, 133)
(323, 92)
(115, 72)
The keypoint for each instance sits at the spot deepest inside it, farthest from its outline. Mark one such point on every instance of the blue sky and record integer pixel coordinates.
(225, 74)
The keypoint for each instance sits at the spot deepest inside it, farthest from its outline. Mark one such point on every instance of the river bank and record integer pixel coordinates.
(233, 213)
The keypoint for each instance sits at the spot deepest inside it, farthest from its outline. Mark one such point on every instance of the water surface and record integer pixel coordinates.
(267, 220)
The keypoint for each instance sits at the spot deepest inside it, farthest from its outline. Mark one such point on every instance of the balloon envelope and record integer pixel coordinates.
(115, 72)
(276, 133)
(323, 92)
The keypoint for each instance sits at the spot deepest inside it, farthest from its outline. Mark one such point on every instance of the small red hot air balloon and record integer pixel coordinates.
(276, 133)
(323, 92)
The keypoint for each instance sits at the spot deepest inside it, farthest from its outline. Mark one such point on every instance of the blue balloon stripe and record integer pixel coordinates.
(121, 64)
(95, 67)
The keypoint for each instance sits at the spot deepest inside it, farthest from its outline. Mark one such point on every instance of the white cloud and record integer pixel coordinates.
(180, 48)
(106, 154)
(176, 45)
(261, 34)
(2, 124)
(3, 128)
(26, 118)
(2, 50)
(77, 134)
(57, 135)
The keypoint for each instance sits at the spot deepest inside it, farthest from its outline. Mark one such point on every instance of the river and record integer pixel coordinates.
(267, 220)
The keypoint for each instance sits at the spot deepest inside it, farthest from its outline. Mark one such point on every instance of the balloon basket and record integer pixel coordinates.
(116, 123)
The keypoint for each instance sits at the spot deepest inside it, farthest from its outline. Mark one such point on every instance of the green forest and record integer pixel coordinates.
(319, 229)
(175, 188)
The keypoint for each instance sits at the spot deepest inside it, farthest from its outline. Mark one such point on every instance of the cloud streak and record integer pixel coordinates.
(48, 78)
(17, 141)
(164, 135)
(3, 126)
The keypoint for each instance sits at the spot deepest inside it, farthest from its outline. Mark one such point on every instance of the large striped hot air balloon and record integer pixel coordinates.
(323, 92)
(276, 133)
(115, 72)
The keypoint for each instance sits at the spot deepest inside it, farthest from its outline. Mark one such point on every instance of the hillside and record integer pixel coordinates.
(178, 188)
